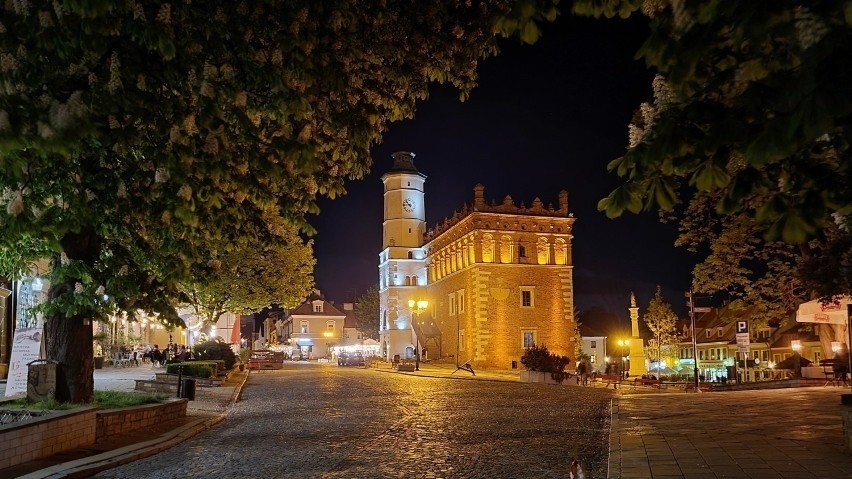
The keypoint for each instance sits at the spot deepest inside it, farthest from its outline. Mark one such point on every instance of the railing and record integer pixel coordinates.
(8, 416)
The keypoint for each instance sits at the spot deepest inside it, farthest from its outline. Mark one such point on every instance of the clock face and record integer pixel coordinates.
(408, 205)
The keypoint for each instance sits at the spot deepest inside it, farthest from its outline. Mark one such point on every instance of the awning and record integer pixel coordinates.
(235, 332)
(831, 313)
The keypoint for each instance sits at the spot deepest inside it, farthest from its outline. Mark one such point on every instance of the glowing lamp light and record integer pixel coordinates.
(835, 346)
(796, 345)
(420, 304)
(328, 334)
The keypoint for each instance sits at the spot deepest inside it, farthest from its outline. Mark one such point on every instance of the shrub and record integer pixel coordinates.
(199, 369)
(539, 358)
(212, 350)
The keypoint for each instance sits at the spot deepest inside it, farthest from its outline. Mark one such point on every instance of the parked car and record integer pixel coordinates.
(342, 358)
(355, 359)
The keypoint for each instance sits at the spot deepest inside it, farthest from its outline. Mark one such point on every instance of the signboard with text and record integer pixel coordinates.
(743, 338)
(26, 348)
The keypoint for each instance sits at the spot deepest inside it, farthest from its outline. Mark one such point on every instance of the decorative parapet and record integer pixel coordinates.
(508, 206)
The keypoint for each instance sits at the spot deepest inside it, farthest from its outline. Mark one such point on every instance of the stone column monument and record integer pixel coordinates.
(638, 365)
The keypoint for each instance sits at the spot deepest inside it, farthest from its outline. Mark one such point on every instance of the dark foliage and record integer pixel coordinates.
(539, 358)
(210, 350)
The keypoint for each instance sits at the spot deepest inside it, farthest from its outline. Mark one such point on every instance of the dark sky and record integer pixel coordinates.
(544, 118)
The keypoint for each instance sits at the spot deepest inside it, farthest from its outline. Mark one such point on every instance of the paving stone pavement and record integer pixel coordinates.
(784, 433)
(793, 433)
(324, 421)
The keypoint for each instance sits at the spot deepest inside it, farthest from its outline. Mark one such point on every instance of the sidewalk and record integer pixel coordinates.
(207, 410)
(777, 433)
(791, 433)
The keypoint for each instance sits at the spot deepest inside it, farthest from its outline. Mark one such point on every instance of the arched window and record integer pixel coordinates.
(560, 252)
(505, 249)
(487, 248)
(522, 252)
(410, 255)
(543, 250)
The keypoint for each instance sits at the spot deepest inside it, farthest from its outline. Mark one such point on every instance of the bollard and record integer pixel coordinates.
(180, 374)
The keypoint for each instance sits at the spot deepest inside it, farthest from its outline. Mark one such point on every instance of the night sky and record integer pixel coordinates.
(544, 118)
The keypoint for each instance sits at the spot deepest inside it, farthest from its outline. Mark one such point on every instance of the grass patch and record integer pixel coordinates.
(102, 399)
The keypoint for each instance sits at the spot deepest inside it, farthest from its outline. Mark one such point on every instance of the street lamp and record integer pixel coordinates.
(796, 345)
(328, 335)
(623, 344)
(416, 308)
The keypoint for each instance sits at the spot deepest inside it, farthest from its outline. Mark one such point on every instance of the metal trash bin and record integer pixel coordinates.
(187, 389)
(41, 380)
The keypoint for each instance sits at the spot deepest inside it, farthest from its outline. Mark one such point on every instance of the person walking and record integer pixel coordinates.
(840, 366)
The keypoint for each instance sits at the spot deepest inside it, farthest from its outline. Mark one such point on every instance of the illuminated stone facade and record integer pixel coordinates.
(498, 277)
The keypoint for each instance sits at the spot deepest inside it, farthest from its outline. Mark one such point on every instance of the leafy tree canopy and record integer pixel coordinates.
(134, 134)
(752, 97)
(367, 313)
(272, 271)
(751, 108)
(661, 321)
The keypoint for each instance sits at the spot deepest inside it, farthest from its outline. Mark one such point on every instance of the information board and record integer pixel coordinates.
(26, 348)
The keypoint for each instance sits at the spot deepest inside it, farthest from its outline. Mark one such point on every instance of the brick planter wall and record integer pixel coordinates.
(112, 422)
(46, 435)
(59, 431)
(544, 378)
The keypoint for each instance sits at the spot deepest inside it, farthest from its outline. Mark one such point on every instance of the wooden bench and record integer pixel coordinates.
(654, 383)
(264, 360)
(610, 379)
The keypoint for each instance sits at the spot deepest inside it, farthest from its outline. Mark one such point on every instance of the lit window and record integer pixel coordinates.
(528, 338)
(304, 327)
(318, 308)
(329, 325)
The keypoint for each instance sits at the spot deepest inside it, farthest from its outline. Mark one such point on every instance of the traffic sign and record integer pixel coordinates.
(743, 337)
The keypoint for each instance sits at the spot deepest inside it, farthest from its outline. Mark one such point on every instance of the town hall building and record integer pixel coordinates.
(489, 282)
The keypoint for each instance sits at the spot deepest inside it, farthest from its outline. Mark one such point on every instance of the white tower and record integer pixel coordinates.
(402, 262)
(637, 345)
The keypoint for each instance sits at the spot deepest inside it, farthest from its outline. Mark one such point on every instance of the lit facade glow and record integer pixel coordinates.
(499, 277)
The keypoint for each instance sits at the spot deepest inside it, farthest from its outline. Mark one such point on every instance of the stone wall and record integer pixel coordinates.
(59, 431)
(46, 435)
(113, 422)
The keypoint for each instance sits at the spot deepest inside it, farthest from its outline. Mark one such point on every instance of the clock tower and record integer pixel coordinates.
(402, 272)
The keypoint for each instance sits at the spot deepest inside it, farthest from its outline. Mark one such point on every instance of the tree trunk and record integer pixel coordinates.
(69, 342)
(69, 338)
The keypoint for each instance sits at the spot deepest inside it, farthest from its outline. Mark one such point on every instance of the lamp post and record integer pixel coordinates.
(623, 343)
(416, 308)
(327, 335)
(796, 345)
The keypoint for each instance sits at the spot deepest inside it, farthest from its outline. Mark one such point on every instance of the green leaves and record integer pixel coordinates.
(523, 19)
(625, 197)
(709, 175)
(756, 96)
